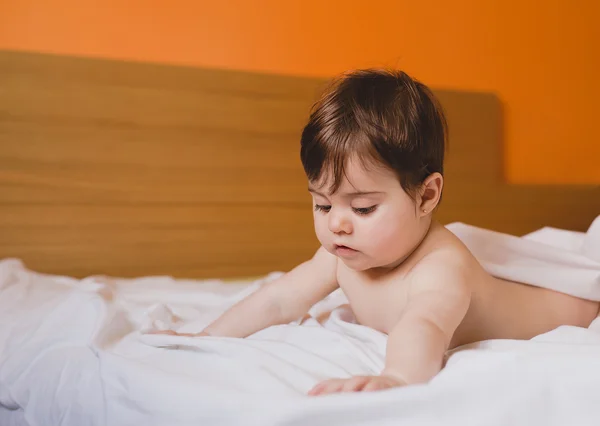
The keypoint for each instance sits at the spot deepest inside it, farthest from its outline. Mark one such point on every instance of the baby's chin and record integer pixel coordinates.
(359, 263)
(363, 263)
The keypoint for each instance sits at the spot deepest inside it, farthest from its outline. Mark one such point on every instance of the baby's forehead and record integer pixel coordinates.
(353, 185)
(357, 178)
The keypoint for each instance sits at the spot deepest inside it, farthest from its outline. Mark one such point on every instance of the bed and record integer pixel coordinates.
(134, 194)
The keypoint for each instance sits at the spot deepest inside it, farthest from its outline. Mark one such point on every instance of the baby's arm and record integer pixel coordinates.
(280, 301)
(439, 298)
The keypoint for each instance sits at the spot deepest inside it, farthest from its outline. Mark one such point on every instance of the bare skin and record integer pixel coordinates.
(498, 309)
(404, 275)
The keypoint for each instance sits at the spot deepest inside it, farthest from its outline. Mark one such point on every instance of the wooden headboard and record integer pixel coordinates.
(133, 169)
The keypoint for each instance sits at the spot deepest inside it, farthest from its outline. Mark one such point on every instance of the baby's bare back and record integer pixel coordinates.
(498, 309)
(503, 309)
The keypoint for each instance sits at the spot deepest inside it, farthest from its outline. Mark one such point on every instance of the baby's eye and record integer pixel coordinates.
(320, 208)
(364, 210)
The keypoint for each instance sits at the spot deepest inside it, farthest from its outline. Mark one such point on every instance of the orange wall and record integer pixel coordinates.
(542, 61)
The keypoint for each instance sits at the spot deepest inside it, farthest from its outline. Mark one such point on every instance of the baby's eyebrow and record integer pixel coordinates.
(347, 194)
(360, 193)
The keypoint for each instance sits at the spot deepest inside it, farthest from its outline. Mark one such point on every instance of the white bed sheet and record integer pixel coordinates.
(72, 353)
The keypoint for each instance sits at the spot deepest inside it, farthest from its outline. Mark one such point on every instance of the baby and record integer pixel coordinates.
(373, 152)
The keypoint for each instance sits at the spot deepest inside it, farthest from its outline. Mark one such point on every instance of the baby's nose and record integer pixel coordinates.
(339, 223)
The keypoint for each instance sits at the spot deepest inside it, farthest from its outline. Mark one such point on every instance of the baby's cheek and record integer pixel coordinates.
(320, 230)
(382, 229)
(384, 235)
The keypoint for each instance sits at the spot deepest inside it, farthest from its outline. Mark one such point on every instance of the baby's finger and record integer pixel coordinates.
(333, 387)
(328, 386)
(169, 332)
(320, 387)
(354, 384)
(373, 386)
(174, 333)
(316, 389)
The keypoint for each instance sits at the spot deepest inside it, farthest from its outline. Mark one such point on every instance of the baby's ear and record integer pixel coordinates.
(430, 193)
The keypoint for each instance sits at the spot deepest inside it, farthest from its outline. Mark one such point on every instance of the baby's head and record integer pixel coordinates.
(373, 152)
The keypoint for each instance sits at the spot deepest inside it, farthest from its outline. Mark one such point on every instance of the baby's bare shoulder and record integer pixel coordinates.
(446, 263)
(440, 284)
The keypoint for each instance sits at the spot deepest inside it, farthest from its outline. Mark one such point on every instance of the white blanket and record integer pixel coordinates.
(72, 353)
(560, 260)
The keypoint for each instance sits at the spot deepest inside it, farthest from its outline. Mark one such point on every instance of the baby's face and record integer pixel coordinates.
(370, 222)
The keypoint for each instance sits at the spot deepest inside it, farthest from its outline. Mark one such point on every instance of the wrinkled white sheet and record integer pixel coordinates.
(72, 353)
(556, 259)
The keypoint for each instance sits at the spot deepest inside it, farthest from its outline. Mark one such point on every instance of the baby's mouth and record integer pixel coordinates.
(344, 250)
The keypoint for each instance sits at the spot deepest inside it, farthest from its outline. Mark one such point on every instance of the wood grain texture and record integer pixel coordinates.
(137, 169)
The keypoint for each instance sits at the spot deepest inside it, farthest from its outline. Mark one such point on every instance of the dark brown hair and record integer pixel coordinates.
(383, 118)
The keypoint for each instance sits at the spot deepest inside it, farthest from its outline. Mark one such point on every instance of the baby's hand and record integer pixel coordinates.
(356, 384)
(174, 333)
